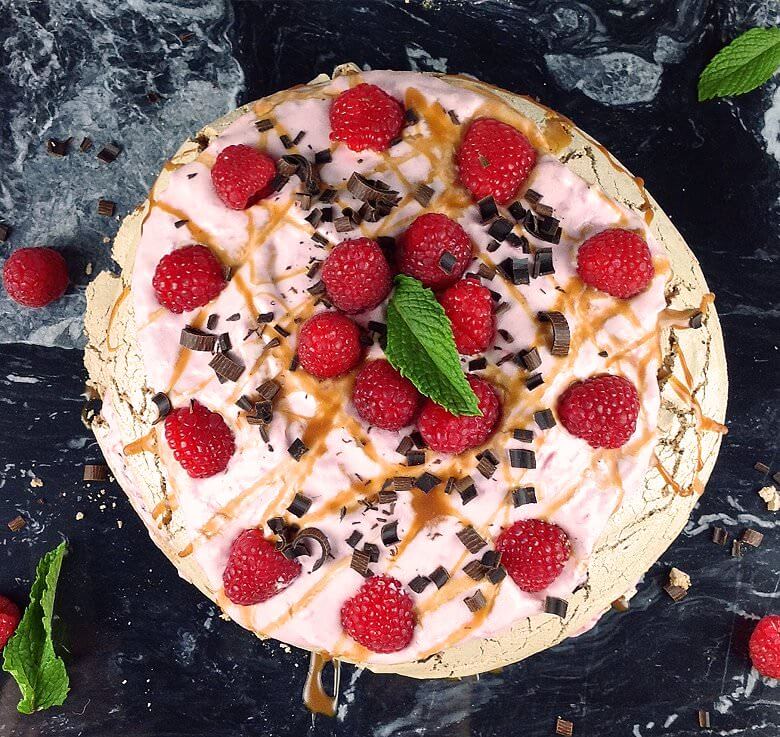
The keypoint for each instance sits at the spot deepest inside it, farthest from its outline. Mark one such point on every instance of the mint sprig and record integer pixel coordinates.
(421, 347)
(29, 655)
(747, 62)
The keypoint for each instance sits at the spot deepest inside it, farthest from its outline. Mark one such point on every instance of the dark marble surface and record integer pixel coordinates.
(147, 655)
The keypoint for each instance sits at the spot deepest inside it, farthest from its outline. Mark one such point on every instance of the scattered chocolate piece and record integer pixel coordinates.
(95, 472)
(449, 487)
(264, 125)
(286, 140)
(737, 549)
(560, 332)
(372, 551)
(543, 263)
(299, 137)
(423, 194)
(212, 321)
(271, 344)
(471, 539)
(237, 316)
(303, 200)
(761, 467)
(751, 537)
(467, 494)
(477, 364)
(300, 503)
(517, 211)
(56, 147)
(281, 331)
(297, 449)
(515, 270)
(474, 569)
(415, 458)
(418, 440)
(704, 719)
(321, 240)
(533, 196)
(419, 583)
(556, 606)
(294, 362)
(696, 320)
(491, 558)
(386, 496)
(529, 359)
(327, 196)
(192, 175)
(263, 317)
(447, 262)
(163, 404)
(225, 367)
(343, 224)
(268, 389)
(390, 534)
(563, 727)
(17, 523)
(496, 575)
(522, 458)
(533, 381)
(485, 271)
(85, 145)
(196, 340)
(314, 217)
(401, 483)
(488, 209)
(488, 464)
(454, 117)
(493, 246)
(676, 593)
(544, 419)
(359, 562)
(427, 482)
(354, 538)
(245, 403)
(317, 536)
(105, 207)
(476, 601)
(439, 577)
(518, 241)
(108, 153)
(506, 335)
(523, 495)
(507, 357)
(719, 536)
(499, 229)
(523, 435)
(405, 445)
(411, 117)
(323, 157)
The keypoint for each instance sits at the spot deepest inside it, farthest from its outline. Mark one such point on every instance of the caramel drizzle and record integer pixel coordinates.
(452, 200)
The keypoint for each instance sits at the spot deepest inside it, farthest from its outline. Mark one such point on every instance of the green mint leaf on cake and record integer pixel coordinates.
(421, 347)
(29, 655)
(747, 62)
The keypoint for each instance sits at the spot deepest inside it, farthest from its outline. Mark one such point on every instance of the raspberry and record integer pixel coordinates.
(9, 619)
(187, 278)
(380, 616)
(601, 410)
(329, 345)
(494, 159)
(356, 275)
(469, 307)
(200, 440)
(365, 117)
(533, 552)
(617, 262)
(256, 570)
(424, 243)
(34, 277)
(383, 397)
(242, 175)
(764, 646)
(447, 433)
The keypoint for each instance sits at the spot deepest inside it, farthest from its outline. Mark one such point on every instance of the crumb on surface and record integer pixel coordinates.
(679, 578)
(771, 496)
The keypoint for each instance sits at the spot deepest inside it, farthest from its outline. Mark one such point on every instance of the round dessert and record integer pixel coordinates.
(406, 370)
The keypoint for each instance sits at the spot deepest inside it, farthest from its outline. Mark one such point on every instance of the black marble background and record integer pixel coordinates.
(147, 655)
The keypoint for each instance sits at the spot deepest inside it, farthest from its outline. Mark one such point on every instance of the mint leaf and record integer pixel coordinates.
(747, 62)
(29, 655)
(421, 347)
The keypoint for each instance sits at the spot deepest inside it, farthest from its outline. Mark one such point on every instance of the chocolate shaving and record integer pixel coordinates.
(522, 458)
(564, 728)
(314, 217)
(268, 389)
(493, 246)
(517, 211)
(264, 317)
(506, 335)
(523, 495)
(211, 322)
(225, 367)
(467, 494)
(235, 316)
(439, 577)
(474, 569)
(761, 467)
(245, 403)
(515, 270)
(56, 147)
(560, 332)
(85, 145)
(471, 539)
(281, 331)
(297, 449)
(411, 117)
(704, 719)
(163, 404)
(544, 210)
(303, 200)
(299, 137)
(533, 196)
(387, 497)
(419, 583)
(737, 549)
(271, 344)
(405, 445)
(196, 340)
(556, 606)
(415, 458)
(491, 558)
(449, 487)
(499, 229)
(497, 574)
(286, 140)
(544, 419)
(105, 207)
(320, 538)
(476, 601)
(17, 524)
(751, 537)
(327, 196)
(294, 362)
(278, 182)
(359, 563)
(719, 536)
(109, 152)
(372, 551)
(447, 262)
(342, 224)
(418, 440)
(485, 271)
(518, 241)
(427, 482)
(323, 157)
(354, 538)
(676, 593)
(180, 223)
(95, 472)
(423, 194)
(534, 381)
(523, 435)
(400, 483)
(317, 288)
(300, 504)
(529, 359)
(454, 117)
(477, 364)
(264, 125)
(371, 190)
(488, 209)
(390, 534)
(543, 263)
(487, 465)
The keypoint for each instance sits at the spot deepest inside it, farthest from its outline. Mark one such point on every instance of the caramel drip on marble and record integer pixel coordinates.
(314, 696)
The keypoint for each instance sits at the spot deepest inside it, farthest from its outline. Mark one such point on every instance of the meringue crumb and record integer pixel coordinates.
(679, 578)
(88, 269)
(36, 483)
(119, 523)
(771, 496)
(79, 515)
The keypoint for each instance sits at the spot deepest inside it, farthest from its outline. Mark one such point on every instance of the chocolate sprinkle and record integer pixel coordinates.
(477, 364)
(415, 458)
(439, 576)
(506, 335)
(372, 551)
(476, 601)
(419, 583)
(281, 331)
(751, 537)
(544, 419)
(264, 317)
(543, 263)
(235, 316)
(556, 606)
(225, 367)
(264, 125)
(447, 262)
(95, 472)
(423, 194)
(523, 495)
(427, 482)
(499, 229)
(497, 574)
(515, 270)
(300, 503)
(471, 539)
(560, 332)
(676, 593)
(359, 562)
(195, 340)
(286, 140)
(474, 569)
(294, 362)
(534, 381)
(523, 435)
(390, 534)
(105, 207)
(354, 538)
(522, 458)
(488, 210)
(109, 152)
(163, 404)
(530, 359)
(297, 449)
(719, 536)
(271, 344)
